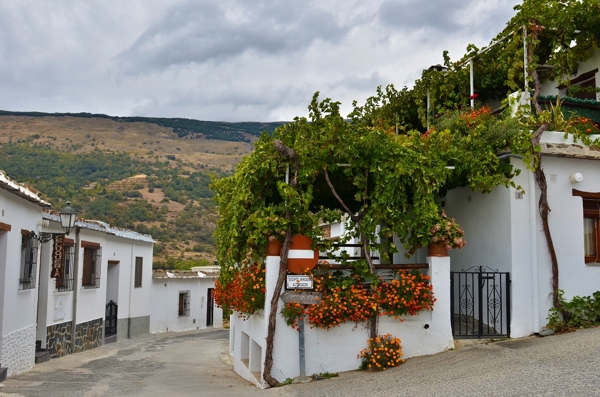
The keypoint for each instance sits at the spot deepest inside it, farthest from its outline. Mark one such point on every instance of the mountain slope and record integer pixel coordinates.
(134, 174)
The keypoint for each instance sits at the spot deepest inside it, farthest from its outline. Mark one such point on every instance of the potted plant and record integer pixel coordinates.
(444, 235)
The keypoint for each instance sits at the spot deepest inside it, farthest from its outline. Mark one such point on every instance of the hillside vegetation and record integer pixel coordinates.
(191, 128)
(136, 175)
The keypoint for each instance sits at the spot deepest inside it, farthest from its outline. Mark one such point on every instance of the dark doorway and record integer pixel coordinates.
(210, 304)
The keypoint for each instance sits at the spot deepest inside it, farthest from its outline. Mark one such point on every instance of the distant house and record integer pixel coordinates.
(20, 213)
(182, 300)
(112, 287)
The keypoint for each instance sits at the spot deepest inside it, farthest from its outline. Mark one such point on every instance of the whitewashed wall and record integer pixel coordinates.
(18, 307)
(335, 350)
(165, 304)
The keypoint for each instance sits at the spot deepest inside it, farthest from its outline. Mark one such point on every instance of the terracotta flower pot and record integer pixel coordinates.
(274, 248)
(437, 249)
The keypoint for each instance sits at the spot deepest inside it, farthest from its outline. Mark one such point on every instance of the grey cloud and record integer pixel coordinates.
(201, 32)
(446, 16)
(416, 14)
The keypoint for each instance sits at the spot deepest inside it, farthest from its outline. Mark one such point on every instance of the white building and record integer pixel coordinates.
(504, 231)
(101, 265)
(44, 291)
(182, 300)
(20, 213)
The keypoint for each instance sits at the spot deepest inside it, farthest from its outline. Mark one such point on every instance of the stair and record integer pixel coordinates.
(42, 356)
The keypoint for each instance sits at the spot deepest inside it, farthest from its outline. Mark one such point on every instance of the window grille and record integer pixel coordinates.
(184, 303)
(91, 267)
(29, 250)
(65, 283)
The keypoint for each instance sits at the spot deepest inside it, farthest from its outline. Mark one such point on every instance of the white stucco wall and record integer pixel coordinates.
(18, 307)
(335, 350)
(566, 224)
(165, 305)
(18, 350)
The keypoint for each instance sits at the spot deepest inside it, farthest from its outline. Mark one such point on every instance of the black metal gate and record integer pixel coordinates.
(480, 303)
(110, 324)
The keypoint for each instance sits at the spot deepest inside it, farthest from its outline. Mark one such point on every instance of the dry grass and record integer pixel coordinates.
(143, 140)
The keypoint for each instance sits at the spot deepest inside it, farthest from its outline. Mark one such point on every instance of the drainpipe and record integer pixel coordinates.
(131, 281)
(75, 287)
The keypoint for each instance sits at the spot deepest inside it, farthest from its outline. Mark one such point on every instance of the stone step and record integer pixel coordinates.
(42, 356)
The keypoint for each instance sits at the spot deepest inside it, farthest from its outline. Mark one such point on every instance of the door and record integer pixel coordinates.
(210, 304)
(110, 324)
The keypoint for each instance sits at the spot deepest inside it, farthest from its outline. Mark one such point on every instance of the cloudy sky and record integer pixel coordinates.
(232, 60)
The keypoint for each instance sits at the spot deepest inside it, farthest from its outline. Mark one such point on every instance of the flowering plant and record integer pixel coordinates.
(584, 125)
(448, 232)
(347, 299)
(381, 353)
(244, 293)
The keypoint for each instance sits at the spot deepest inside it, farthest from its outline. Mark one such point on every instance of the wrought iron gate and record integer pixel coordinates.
(480, 303)
(110, 323)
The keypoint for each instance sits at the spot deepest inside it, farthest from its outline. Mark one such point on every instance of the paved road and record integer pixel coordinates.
(195, 364)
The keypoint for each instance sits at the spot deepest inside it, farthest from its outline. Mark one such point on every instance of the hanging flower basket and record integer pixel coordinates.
(437, 248)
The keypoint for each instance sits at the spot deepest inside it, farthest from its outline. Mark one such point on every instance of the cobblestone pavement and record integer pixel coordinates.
(169, 364)
(195, 364)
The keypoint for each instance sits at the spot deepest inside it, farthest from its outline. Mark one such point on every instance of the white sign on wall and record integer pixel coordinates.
(299, 282)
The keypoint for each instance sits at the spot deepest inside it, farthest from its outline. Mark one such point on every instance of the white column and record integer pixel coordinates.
(439, 273)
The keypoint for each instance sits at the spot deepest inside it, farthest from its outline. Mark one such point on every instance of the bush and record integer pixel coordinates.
(582, 312)
(382, 352)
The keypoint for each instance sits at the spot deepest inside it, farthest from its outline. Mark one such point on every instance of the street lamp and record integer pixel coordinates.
(435, 68)
(68, 216)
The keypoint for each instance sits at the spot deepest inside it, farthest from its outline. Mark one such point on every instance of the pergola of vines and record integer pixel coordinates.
(382, 169)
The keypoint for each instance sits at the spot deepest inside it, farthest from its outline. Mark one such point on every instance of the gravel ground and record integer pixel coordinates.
(196, 364)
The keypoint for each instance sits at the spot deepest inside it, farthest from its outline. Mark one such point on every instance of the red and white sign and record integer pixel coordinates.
(300, 256)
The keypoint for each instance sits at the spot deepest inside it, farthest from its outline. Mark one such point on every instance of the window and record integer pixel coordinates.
(91, 265)
(591, 225)
(584, 86)
(591, 229)
(184, 303)
(138, 271)
(64, 281)
(29, 247)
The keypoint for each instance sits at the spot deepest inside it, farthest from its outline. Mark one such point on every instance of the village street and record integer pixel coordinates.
(195, 364)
